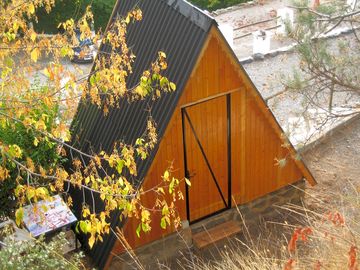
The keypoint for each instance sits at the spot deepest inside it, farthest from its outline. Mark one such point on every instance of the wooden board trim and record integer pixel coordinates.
(209, 98)
(220, 232)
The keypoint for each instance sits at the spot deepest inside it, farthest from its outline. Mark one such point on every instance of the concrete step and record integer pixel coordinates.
(224, 230)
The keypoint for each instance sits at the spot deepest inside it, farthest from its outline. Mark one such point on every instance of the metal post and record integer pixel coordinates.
(185, 165)
(228, 106)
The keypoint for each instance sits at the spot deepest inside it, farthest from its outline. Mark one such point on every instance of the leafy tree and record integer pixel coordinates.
(102, 10)
(66, 9)
(24, 144)
(35, 116)
(38, 255)
(328, 77)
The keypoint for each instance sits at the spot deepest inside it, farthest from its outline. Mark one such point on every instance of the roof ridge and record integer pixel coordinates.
(196, 15)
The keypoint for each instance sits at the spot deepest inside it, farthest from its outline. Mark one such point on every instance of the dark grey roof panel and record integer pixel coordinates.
(191, 12)
(173, 26)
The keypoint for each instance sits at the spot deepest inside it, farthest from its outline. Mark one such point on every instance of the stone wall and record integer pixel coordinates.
(252, 214)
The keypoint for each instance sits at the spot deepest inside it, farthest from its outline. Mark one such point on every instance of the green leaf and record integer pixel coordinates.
(120, 166)
(139, 141)
(121, 181)
(77, 227)
(171, 187)
(163, 223)
(165, 210)
(143, 155)
(18, 189)
(64, 52)
(164, 81)
(144, 79)
(92, 80)
(83, 226)
(138, 230)
(42, 191)
(19, 215)
(14, 151)
(9, 62)
(155, 77)
(145, 227)
(30, 193)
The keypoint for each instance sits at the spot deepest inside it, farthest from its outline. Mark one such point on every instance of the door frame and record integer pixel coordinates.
(185, 117)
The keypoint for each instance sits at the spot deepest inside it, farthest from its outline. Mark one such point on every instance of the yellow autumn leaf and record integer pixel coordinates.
(52, 188)
(40, 125)
(46, 72)
(48, 101)
(100, 238)
(31, 8)
(91, 241)
(166, 175)
(15, 26)
(33, 36)
(4, 173)
(162, 54)
(87, 180)
(161, 190)
(35, 53)
(30, 193)
(86, 212)
(127, 20)
(42, 192)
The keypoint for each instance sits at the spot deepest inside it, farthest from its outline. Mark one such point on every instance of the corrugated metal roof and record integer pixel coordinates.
(173, 26)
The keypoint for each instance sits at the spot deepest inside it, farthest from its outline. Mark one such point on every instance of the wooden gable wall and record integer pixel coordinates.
(255, 138)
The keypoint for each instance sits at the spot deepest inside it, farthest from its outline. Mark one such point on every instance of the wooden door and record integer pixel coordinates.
(206, 146)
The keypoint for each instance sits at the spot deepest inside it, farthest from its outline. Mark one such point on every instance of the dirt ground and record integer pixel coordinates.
(335, 164)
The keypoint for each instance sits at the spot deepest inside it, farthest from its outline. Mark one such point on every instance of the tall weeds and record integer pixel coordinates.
(319, 235)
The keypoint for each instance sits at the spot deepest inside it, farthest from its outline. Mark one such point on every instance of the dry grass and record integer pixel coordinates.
(323, 238)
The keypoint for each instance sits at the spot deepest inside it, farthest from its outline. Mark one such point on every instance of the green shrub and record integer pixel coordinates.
(66, 9)
(38, 255)
(38, 148)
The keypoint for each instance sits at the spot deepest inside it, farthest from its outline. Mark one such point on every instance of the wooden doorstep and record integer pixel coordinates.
(215, 234)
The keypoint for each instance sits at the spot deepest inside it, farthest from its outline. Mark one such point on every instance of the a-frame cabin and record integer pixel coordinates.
(215, 129)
